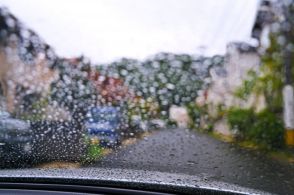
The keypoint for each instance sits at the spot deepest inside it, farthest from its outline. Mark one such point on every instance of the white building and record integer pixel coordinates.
(239, 60)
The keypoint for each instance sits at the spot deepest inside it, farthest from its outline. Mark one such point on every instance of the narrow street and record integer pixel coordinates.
(193, 153)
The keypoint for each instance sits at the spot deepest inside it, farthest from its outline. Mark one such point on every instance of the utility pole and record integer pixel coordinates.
(288, 93)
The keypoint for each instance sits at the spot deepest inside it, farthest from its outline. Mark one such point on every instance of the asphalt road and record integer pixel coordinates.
(192, 153)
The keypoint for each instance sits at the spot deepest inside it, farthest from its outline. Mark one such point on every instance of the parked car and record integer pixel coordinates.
(15, 138)
(103, 126)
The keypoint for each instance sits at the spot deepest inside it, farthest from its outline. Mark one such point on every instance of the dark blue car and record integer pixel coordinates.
(15, 138)
(103, 125)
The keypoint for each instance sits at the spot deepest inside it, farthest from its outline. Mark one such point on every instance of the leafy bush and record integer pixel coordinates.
(171, 123)
(241, 120)
(263, 128)
(199, 117)
(209, 127)
(268, 130)
(36, 112)
(94, 150)
(194, 113)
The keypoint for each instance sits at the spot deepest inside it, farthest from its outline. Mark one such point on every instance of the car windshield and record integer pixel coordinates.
(159, 88)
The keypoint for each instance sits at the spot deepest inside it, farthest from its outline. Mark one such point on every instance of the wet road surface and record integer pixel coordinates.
(193, 153)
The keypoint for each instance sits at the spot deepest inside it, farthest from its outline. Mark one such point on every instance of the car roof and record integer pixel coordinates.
(104, 109)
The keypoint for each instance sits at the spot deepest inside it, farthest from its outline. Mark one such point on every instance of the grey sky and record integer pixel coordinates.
(105, 30)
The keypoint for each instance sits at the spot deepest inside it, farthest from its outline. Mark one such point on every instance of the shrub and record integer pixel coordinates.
(194, 113)
(209, 127)
(171, 123)
(264, 128)
(241, 120)
(268, 130)
(36, 112)
(199, 117)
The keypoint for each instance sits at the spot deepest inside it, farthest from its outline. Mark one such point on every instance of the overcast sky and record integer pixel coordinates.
(105, 30)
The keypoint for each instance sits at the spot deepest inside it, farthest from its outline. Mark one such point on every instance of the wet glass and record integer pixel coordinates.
(196, 88)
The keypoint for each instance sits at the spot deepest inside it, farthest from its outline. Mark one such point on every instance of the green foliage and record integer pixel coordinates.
(248, 85)
(264, 128)
(167, 78)
(94, 150)
(195, 112)
(37, 111)
(221, 111)
(145, 109)
(73, 89)
(268, 81)
(209, 126)
(268, 130)
(240, 120)
(171, 123)
(170, 79)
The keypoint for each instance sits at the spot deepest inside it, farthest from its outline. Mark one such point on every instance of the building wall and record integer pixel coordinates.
(237, 65)
(238, 61)
(179, 115)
